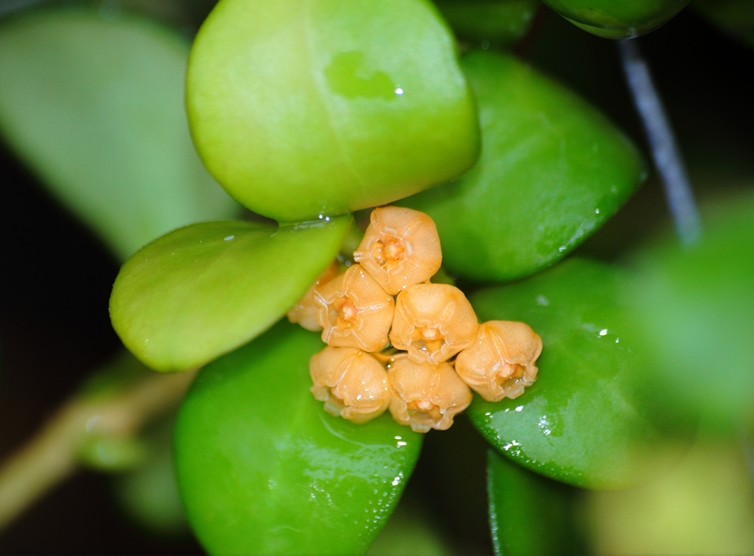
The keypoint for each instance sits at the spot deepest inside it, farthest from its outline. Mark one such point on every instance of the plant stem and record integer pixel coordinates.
(664, 148)
(51, 456)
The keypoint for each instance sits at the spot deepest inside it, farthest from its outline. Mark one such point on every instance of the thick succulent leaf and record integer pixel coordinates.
(530, 514)
(552, 170)
(500, 22)
(95, 108)
(263, 469)
(589, 420)
(694, 309)
(205, 289)
(617, 20)
(307, 107)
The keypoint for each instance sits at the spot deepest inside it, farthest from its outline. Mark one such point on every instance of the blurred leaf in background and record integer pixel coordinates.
(694, 309)
(95, 107)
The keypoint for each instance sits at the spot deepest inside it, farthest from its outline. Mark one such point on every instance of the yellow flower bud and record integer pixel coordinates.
(400, 248)
(500, 364)
(354, 311)
(433, 322)
(305, 311)
(426, 396)
(352, 383)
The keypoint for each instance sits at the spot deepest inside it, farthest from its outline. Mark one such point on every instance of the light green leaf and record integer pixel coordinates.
(95, 108)
(263, 469)
(308, 107)
(206, 289)
(552, 170)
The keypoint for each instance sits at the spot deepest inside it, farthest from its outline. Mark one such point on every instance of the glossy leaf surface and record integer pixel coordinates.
(308, 107)
(552, 170)
(695, 310)
(264, 470)
(617, 20)
(500, 22)
(95, 108)
(530, 514)
(589, 419)
(206, 289)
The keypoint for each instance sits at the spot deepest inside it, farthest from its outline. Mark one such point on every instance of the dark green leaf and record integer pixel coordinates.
(617, 20)
(552, 170)
(410, 532)
(264, 470)
(95, 108)
(530, 515)
(589, 420)
(324, 106)
(206, 289)
(500, 22)
(695, 310)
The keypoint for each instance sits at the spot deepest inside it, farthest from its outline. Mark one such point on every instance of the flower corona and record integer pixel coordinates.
(418, 354)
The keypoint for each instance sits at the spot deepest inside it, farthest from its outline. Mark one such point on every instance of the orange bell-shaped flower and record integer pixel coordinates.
(426, 396)
(352, 383)
(433, 322)
(400, 248)
(500, 363)
(305, 311)
(354, 311)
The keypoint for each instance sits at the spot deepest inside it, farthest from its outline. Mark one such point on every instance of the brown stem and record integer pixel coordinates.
(51, 456)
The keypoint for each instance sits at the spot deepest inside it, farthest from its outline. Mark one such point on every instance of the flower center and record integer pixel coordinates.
(388, 251)
(428, 338)
(425, 406)
(510, 372)
(346, 311)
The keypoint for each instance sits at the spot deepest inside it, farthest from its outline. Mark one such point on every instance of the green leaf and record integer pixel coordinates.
(694, 310)
(617, 20)
(206, 289)
(264, 470)
(95, 108)
(301, 108)
(501, 22)
(530, 514)
(589, 420)
(552, 170)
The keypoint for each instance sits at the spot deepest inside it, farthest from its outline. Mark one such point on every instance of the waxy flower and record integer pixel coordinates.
(500, 364)
(353, 384)
(426, 396)
(433, 322)
(354, 311)
(305, 311)
(400, 248)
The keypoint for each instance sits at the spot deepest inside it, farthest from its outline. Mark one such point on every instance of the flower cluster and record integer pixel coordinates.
(397, 342)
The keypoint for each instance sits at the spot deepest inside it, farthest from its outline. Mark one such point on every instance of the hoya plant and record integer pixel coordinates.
(389, 276)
